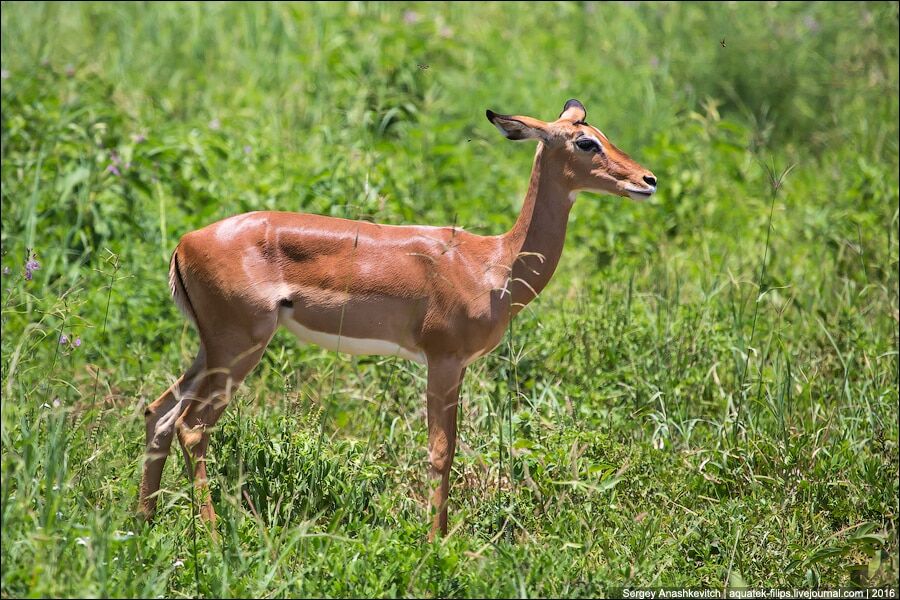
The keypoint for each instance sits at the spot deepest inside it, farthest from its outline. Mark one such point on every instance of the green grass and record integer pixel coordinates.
(705, 395)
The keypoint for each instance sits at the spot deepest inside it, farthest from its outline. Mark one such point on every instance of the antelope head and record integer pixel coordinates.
(586, 159)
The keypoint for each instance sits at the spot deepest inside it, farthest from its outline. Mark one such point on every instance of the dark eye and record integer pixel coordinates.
(588, 145)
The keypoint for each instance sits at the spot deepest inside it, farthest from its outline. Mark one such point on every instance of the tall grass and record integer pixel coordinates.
(705, 395)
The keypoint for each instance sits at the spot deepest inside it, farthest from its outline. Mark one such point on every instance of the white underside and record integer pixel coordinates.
(345, 344)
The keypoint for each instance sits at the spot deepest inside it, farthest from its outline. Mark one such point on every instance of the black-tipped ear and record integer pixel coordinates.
(573, 111)
(518, 127)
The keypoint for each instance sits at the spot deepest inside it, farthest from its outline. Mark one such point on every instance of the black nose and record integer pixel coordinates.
(650, 179)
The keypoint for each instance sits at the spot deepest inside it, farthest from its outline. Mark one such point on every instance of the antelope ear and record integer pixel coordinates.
(518, 127)
(573, 111)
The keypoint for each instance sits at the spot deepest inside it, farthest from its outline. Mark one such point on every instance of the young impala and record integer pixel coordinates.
(439, 296)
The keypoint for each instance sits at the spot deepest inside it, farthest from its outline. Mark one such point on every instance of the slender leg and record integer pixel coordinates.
(160, 418)
(444, 379)
(193, 435)
(226, 369)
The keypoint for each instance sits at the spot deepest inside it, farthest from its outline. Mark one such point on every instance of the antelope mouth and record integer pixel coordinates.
(640, 194)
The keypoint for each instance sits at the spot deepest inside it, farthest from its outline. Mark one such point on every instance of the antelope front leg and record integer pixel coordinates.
(444, 379)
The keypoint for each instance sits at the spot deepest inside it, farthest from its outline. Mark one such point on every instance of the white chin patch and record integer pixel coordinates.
(639, 195)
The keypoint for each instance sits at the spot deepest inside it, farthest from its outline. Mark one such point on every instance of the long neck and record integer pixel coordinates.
(536, 240)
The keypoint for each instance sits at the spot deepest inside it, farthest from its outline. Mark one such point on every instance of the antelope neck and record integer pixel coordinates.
(536, 240)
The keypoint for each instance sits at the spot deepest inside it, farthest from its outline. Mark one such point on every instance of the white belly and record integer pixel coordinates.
(348, 345)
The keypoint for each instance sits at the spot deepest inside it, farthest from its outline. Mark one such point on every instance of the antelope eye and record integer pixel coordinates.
(587, 144)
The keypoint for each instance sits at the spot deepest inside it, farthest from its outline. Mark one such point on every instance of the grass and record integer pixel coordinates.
(705, 395)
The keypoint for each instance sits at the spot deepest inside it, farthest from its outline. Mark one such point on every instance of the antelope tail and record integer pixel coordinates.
(179, 291)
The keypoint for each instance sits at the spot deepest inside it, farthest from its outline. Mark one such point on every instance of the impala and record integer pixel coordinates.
(439, 296)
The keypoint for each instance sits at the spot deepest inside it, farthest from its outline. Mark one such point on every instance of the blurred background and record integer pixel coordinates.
(377, 110)
(734, 338)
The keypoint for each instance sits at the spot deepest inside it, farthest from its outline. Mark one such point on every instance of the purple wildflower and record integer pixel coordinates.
(411, 17)
(31, 266)
(811, 23)
(77, 342)
(248, 149)
(137, 138)
(63, 339)
(115, 161)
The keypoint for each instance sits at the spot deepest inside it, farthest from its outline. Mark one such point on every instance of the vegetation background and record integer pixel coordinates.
(705, 395)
